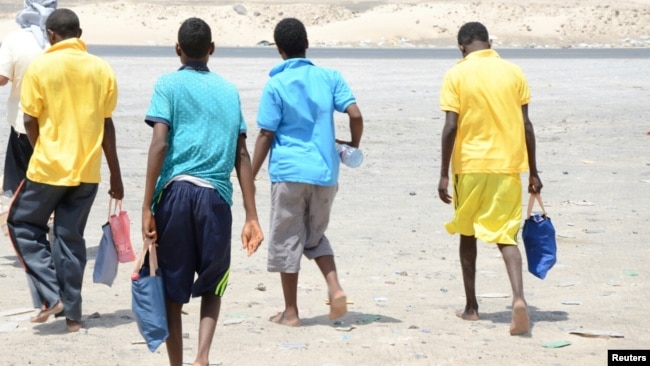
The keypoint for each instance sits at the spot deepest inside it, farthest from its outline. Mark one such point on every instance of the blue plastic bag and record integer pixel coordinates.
(106, 260)
(539, 240)
(148, 299)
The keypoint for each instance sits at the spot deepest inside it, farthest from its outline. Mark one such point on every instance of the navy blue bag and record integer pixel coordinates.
(539, 240)
(148, 298)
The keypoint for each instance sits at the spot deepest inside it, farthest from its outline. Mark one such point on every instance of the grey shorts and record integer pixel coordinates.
(300, 214)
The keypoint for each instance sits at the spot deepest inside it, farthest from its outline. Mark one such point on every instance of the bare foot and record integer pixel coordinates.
(468, 314)
(338, 307)
(520, 322)
(73, 325)
(282, 319)
(45, 314)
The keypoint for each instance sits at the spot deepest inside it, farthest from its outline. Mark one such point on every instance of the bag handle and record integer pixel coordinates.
(148, 246)
(531, 203)
(112, 210)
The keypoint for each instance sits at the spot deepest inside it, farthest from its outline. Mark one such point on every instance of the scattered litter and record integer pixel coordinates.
(16, 311)
(344, 328)
(289, 346)
(425, 330)
(443, 290)
(630, 273)
(566, 236)
(390, 282)
(346, 337)
(580, 203)
(419, 356)
(381, 299)
(260, 287)
(7, 327)
(139, 342)
(367, 319)
(568, 284)
(556, 344)
(487, 273)
(594, 231)
(493, 295)
(233, 321)
(597, 333)
(571, 302)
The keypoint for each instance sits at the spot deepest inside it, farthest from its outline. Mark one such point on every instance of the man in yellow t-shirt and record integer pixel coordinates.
(68, 97)
(489, 140)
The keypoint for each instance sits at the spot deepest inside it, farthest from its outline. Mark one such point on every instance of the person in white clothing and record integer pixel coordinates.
(18, 50)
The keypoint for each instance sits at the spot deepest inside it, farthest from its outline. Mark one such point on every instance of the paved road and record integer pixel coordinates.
(385, 53)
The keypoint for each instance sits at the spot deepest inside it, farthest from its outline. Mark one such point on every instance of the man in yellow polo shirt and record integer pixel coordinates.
(489, 140)
(68, 97)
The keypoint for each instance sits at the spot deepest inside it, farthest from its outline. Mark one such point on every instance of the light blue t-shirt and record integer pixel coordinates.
(203, 112)
(298, 104)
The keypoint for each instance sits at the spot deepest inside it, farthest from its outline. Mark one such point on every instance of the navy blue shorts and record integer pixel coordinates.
(194, 227)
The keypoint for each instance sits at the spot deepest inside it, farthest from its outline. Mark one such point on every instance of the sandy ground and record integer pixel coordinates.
(396, 263)
(402, 23)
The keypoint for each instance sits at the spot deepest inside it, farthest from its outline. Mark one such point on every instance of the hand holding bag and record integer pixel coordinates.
(106, 261)
(539, 240)
(148, 298)
(121, 230)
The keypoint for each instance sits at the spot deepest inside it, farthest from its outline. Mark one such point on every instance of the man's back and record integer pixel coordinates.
(203, 113)
(487, 93)
(18, 50)
(298, 104)
(71, 93)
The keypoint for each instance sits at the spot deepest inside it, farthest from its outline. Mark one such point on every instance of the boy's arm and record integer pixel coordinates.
(534, 182)
(155, 159)
(110, 151)
(251, 235)
(31, 128)
(448, 141)
(356, 125)
(262, 147)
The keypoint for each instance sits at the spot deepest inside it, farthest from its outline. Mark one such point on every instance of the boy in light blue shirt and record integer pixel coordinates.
(296, 118)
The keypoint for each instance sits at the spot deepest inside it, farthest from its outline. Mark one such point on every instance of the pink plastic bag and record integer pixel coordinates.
(121, 230)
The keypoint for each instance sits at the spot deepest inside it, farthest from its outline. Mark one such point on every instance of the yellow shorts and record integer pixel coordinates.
(487, 206)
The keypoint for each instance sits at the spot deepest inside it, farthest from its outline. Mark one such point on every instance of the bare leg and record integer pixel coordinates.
(467, 251)
(290, 315)
(174, 342)
(512, 257)
(210, 306)
(338, 300)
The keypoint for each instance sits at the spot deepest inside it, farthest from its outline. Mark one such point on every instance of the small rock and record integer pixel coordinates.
(240, 9)
(260, 287)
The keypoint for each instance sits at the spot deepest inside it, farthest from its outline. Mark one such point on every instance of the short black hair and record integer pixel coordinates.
(290, 36)
(195, 38)
(63, 22)
(472, 31)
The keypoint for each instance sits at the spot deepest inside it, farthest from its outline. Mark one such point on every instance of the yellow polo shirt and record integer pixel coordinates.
(487, 93)
(71, 92)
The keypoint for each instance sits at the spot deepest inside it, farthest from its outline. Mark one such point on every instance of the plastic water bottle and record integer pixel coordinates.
(350, 156)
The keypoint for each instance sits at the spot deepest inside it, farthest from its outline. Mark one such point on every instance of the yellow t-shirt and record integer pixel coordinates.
(487, 93)
(71, 92)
